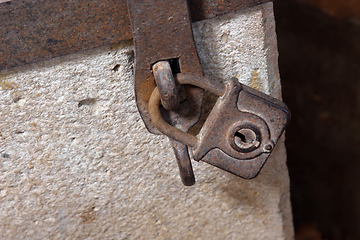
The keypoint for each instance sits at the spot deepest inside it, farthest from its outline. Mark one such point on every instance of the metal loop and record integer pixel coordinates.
(166, 84)
(203, 82)
(184, 162)
(170, 100)
(240, 132)
(163, 126)
(226, 120)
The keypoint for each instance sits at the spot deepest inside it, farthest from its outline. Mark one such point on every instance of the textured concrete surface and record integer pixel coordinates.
(78, 163)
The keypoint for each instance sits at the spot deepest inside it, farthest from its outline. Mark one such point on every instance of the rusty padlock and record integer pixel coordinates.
(244, 126)
(240, 132)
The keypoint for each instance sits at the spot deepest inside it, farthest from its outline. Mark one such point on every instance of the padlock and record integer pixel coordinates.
(235, 137)
(241, 130)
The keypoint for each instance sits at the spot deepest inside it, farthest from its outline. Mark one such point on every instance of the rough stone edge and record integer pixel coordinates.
(275, 91)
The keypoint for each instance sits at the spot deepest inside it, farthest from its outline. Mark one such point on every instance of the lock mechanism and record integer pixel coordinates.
(244, 125)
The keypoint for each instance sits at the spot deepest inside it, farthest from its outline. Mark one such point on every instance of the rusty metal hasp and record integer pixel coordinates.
(242, 128)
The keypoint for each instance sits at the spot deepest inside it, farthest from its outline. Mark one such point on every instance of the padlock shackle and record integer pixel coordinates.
(203, 82)
(155, 100)
(166, 128)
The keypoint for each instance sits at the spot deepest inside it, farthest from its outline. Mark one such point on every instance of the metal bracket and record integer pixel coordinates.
(162, 31)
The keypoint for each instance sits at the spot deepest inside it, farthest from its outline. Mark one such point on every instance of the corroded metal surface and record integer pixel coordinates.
(239, 134)
(35, 30)
(162, 34)
(170, 100)
(184, 162)
(165, 82)
(162, 31)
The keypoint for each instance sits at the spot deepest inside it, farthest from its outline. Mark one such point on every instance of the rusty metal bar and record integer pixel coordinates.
(35, 30)
(202, 82)
(162, 31)
(184, 163)
(165, 82)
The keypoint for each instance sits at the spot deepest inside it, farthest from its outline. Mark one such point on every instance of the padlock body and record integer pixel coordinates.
(241, 130)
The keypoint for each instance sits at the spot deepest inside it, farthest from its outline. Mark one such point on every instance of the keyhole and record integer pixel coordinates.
(246, 139)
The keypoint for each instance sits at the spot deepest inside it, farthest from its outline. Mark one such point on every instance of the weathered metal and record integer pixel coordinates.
(162, 31)
(170, 100)
(244, 125)
(184, 162)
(240, 132)
(36, 30)
(166, 85)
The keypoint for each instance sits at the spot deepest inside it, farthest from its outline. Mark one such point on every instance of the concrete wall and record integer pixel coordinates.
(78, 163)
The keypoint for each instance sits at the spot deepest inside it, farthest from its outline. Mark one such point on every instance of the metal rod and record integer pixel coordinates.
(165, 82)
(203, 82)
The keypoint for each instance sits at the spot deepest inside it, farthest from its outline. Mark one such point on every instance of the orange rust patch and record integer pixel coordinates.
(255, 81)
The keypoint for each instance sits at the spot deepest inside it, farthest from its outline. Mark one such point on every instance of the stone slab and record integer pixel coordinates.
(78, 163)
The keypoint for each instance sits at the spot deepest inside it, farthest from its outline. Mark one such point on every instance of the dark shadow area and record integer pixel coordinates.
(320, 70)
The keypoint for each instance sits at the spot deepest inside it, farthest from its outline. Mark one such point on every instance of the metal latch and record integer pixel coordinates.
(244, 125)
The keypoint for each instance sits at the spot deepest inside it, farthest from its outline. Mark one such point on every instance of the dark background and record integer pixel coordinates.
(319, 65)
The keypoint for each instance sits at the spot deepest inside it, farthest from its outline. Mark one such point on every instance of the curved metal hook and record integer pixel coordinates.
(184, 162)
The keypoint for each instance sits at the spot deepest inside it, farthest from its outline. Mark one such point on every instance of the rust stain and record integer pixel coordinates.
(88, 215)
(255, 81)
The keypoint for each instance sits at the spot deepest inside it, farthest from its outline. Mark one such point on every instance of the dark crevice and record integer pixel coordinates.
(87, 101)
(116, 68)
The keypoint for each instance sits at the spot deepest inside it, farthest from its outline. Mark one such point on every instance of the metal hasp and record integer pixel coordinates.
(162, 33)
(170, 100)
(242, 128)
